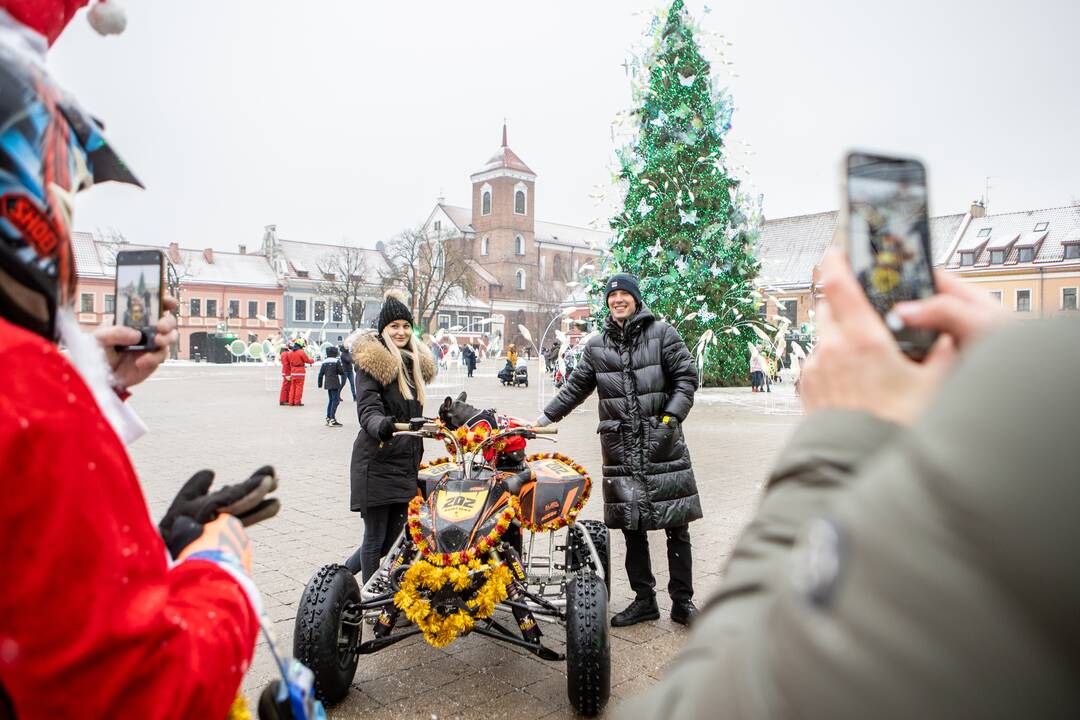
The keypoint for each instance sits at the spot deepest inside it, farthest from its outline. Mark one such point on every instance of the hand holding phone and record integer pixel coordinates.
(888, 230)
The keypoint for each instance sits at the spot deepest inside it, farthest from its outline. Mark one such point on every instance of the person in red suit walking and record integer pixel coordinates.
(286, 375)
(298, 361)
(102, 614)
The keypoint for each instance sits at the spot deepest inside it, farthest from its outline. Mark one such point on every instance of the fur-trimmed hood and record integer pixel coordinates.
(371, 356)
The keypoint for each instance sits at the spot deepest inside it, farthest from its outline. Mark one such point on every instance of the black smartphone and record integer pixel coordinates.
(140, 293)
(889, 238)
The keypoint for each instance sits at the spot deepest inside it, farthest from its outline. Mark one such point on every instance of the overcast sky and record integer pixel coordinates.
(344, 119)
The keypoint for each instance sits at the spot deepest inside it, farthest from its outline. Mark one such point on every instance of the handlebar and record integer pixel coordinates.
(432, 428)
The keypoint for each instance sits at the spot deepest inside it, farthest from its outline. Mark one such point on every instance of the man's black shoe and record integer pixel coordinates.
(683, 612)
(639, 611)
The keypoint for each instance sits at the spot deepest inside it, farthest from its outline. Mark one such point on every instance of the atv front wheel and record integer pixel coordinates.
(328, 631)
(578, 555)
(588, 652)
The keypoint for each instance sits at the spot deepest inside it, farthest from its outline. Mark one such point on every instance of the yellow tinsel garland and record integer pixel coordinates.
(571, 515)
(441, 630)
(461, 557)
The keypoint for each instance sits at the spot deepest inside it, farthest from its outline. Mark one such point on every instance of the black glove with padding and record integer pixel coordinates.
(195, 505)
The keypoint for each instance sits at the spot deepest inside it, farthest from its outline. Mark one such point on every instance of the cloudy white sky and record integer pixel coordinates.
(341, 119)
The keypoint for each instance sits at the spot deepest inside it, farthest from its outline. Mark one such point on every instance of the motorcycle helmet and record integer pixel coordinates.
(50, 149)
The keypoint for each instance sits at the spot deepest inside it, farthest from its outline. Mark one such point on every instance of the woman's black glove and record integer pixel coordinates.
(387, 429)
(195, 505)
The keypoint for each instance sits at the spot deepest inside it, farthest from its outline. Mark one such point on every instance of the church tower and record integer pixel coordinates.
(504, 219)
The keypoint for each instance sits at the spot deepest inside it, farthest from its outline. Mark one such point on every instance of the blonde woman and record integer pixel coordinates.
(392, 368)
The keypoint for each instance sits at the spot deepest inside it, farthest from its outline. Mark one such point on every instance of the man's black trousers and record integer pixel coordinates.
(680, 563)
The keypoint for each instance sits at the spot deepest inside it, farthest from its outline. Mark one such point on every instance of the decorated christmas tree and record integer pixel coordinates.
(685, 228)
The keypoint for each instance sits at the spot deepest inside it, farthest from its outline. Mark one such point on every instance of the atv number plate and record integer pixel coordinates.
(459, 506)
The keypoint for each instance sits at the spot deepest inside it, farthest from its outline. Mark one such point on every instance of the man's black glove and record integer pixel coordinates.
(195, 505)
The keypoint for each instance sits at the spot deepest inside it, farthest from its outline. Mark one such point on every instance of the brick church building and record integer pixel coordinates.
(525, 269)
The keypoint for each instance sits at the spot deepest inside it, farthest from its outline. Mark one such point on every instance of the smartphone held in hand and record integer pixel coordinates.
(140, 293)
(888, 228)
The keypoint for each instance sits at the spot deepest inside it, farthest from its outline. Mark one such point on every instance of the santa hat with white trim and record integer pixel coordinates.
(50, 17)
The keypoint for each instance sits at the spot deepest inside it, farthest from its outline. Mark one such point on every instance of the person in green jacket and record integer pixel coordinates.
(915, 554)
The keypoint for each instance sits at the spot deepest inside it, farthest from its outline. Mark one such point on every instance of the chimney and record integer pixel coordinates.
(978, 210)
(243, 249)
(208, 255)
(174, 253)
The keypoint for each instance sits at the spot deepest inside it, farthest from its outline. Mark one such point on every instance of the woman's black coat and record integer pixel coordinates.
(383, 469)
(642, 372)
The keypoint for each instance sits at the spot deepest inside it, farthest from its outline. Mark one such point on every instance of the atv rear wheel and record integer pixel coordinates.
(322, 641)
(588, 652)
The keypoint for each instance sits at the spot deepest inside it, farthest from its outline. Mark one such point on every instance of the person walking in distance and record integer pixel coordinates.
(286, 374)
(469, 357)
(392, 367)
(347, 365)
(646, 380)
(332, 377)
(298, 362)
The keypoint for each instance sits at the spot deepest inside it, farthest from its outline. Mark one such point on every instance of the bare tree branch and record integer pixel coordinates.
(344, 276)
(430, 268)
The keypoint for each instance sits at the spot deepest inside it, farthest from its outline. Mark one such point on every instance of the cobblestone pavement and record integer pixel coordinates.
(227, 418)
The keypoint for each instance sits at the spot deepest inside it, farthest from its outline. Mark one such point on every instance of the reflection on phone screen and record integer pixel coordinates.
(138, 295)
(889, 229)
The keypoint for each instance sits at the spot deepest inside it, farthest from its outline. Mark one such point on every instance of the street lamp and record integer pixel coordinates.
(564, 313)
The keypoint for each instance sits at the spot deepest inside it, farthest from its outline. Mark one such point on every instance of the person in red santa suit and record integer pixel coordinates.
(102, 614)
(286, 374)
(298, 360)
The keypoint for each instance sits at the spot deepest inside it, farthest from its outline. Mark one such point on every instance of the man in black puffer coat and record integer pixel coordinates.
(646, 379)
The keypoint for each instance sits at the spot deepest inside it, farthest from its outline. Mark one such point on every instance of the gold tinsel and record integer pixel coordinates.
(441, 630)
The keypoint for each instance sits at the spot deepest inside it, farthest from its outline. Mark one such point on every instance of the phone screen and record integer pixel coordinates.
(889, 237)
(138, 297)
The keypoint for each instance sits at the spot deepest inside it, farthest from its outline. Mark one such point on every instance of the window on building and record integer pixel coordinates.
(997, 257)
(438, 225)
(1039, 227)
(253, 308)
(1068, 298)
(790, 310)
(519, 202)
(196, 307)
(1023, 301)
(1026, 255)
(318, 311)
(985, 232)
(440, 257)
(337, 312)
(476, 321)
(967, 258)
(520, 279)
(271, 310)
(761, 310)
(559, 268)
(211, 308)
(300, 310)
(483, 246)
(110, 303)
(234, 308)
(519, 245)
(87, 301)
(485, 203)
(995, 295)
(444, 321)
(302, 273)
(1072, 252)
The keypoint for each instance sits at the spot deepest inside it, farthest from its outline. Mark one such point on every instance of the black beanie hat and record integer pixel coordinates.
(623, 281)
(393, 308)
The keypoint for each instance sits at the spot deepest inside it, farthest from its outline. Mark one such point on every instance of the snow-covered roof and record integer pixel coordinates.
(308, 257)
(1047, 230)
(572, 236)
(942, 232)
(457, 299)
(88, 257)
(197, 267)
(461, 217)
(790, 248)
(482, 272)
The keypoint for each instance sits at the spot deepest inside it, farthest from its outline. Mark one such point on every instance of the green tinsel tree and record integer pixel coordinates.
(685, 229)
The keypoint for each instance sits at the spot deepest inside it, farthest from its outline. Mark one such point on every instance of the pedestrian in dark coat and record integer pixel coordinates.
(470, 359)
(332, 377)
(646, 380)
(392, 368)
(347, 363)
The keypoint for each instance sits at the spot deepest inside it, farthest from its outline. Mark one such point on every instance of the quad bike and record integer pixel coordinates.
(461, 565)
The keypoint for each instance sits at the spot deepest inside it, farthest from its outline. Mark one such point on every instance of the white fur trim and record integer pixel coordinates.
(107, 17)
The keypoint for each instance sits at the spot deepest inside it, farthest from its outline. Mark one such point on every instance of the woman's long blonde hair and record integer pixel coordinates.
(405, 384)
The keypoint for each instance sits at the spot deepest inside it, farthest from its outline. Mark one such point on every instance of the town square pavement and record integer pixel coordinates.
(227, 418)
